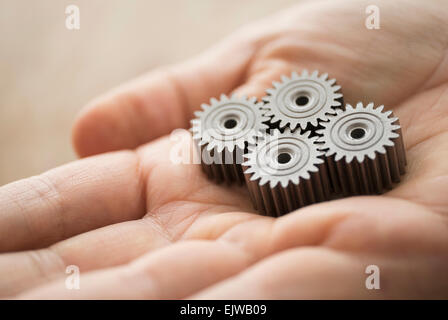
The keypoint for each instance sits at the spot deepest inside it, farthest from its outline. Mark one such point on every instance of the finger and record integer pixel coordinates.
(425, 135)
(310, 41)
(322, 273)
(305, 273)
(191, 198)
(71, 199)
(102, 248)
(170, 273)
(358, 224)
(160, 101)
(322, 251)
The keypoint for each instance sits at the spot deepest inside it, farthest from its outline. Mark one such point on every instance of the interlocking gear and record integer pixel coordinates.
(302, 100)
(364, 149)
(285, 171)
(317, 150)
(222, 132)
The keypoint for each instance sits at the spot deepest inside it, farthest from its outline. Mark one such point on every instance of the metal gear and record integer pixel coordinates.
(302, 100)
(364, 149)
(222, 131)
(285, 171)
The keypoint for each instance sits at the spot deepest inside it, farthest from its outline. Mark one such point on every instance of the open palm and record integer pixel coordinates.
(139, 226)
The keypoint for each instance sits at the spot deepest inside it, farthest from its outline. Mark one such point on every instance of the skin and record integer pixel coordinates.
(139, 226)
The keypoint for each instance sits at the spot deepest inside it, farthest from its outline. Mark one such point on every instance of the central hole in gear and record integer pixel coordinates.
(230, 123)
(302, 101)
(283, 158)
(357, 133)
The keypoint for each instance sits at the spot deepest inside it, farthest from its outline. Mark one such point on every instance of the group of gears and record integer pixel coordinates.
(300, 145)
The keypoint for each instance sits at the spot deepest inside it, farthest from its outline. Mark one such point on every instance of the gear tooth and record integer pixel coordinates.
(371, 155)
(324, 76)
(380, 108)
(284, 183)
(329, 152)
(389, 142)
(359, 105)
(308, 133)
(223, 97)
(349, 157)
(339, 112)
(394, 120)
(269, 91)
(381, 150)
(255, 176)
(306, 175)
(249, 170)
(332, 81)
(214, 101)
(349, 107)
(338, 95)
(325, 123)
(370, 106)
(320, 131)
(313, 121)
(265, 118)
(284, 78)
(338, 156)
(210, 145)
(283, 123)
(315, 74)
(305, 73)
(253, 100)
(264, 127)
(197, 114)
(360, 157)
(336, 103)
(204, 107)
(388, 113)
(276, 84)
(320, 160)
(336, 88)
(263, 179)
(294, 75)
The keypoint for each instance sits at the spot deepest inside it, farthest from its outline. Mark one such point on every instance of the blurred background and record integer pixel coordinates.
(47, 72)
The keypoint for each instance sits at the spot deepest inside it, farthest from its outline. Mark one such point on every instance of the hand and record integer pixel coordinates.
(139, 226)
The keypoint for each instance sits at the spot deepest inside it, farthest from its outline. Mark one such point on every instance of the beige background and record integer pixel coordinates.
(47, 73)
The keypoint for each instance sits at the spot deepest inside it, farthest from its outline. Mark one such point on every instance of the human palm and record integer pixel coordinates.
(139, 226)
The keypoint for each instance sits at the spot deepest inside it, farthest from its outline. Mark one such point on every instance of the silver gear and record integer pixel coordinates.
(302, 100)
(222, 131)
(285, 171)
(364, 149)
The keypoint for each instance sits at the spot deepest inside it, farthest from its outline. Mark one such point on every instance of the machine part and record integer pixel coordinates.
(302, 100)
(222, 132)
(364, 149)
(285, 171)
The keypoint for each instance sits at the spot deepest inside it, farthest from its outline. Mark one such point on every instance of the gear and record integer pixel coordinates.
(302, 100)
(364, 149)
(222, 132)
(285, 171)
